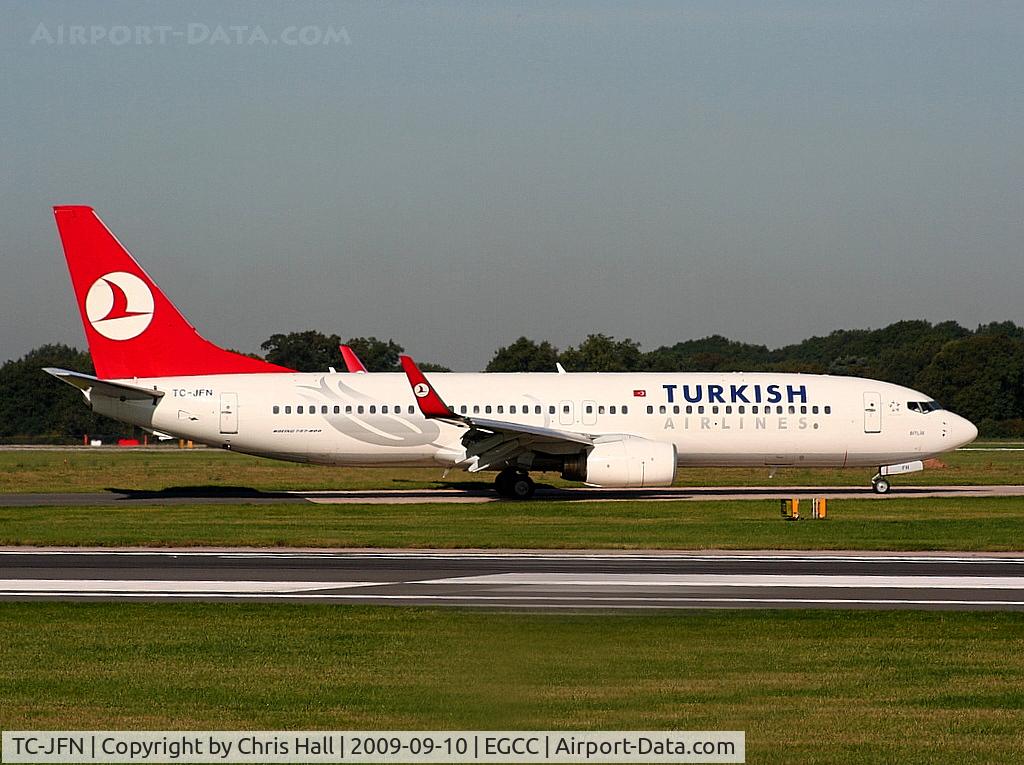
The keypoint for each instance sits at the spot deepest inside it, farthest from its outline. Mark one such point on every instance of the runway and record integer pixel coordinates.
(479, 493)
(531, 580)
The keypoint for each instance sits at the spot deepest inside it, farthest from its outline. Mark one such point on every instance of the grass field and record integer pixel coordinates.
(868, 524)
(805, 686)
(85, 470)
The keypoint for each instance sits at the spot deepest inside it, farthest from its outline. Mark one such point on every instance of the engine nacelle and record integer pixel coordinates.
(625, 463)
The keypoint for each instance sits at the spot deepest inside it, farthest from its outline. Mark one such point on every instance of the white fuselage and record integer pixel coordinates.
(719, 419)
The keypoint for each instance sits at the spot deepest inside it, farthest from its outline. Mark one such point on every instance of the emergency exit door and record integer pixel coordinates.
(872, 412)
(228, 412)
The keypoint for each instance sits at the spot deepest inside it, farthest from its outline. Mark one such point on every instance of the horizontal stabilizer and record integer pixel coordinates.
(90, 385)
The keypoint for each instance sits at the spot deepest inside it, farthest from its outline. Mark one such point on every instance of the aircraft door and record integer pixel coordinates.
(872, 413)
(228, 412)
(565, 413)
(589, 413)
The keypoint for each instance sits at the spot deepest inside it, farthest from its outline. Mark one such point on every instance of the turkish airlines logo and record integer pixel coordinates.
(119, 305)
(421, 390)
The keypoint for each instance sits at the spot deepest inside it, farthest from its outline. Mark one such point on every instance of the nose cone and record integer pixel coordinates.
(964, 431)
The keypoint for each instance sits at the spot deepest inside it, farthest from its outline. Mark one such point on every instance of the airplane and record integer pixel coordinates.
(622, 430)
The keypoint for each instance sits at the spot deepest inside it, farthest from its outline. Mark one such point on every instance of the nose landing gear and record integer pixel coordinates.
(515, 484)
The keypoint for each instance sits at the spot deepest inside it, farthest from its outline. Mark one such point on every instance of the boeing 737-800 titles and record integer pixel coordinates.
(155, 371)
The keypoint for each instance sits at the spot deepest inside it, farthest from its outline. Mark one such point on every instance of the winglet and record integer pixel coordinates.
(352, 362)
(429, 402)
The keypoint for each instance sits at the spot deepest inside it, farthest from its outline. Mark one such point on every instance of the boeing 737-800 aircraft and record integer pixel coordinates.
(155, 371)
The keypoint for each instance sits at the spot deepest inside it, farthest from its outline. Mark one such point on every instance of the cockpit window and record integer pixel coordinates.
(924, 406)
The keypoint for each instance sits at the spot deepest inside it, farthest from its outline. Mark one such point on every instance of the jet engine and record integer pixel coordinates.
(626, 462)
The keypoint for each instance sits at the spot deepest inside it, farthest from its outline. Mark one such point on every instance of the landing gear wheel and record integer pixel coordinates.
(514, 484)
(522, 486)
(503, 482)
(880, 486)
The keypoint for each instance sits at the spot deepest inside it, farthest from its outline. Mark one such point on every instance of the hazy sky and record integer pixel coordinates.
(455, 175)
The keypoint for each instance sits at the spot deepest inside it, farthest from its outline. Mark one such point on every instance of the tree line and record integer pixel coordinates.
(977, 373)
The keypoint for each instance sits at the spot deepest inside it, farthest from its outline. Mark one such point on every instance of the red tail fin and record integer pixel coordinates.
(132, 328)
(352, 362)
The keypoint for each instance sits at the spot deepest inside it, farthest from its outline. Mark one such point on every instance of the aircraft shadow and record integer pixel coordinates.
(201, 492)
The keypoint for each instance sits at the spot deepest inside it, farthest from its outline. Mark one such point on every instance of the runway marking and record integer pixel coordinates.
(172, 588)
(740, 580)
(165, 586)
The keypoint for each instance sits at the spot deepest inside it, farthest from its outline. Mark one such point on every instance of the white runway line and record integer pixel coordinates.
(740, 580)
(164, 586)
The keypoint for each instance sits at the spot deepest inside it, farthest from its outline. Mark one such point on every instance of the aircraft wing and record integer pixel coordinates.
(89, 385)
(516, 428)
(489, 443)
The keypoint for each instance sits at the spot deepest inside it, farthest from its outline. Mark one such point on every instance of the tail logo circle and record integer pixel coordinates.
(421, 390)
(119, 305)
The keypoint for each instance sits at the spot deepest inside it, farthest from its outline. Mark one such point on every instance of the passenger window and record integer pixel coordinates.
(662, 409)
(742, 409)
(536, 409)
(590, 409)
(361, 409)
(373, 409)
(512, 409)
(675, 409)
(625, 409)
(814, 410)
(348, 409)
(312, 410)
(299, 409)
(412, 409)
(323, 410)
(700, 409)
(287, 410)
(728, 410)
(650, 409)
(565, 408)
(337, 409)
(828, 410)
(501, 409)
(384, 409)
(792, 409)
(476, 408)
(463, 409)
(277, 409)
(803, 410)
(611, 410)
(689, 409)
(600, 408)
(714, 409)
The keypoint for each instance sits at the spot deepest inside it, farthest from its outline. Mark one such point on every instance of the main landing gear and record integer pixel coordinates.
(515, 484)
(880, 485)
